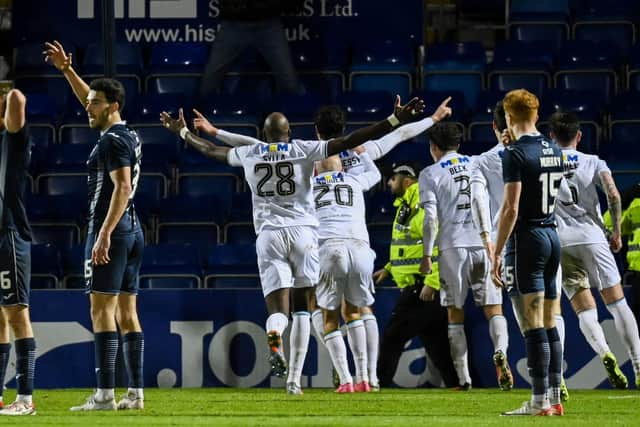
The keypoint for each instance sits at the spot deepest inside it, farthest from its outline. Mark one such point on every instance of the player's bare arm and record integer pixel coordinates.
(179, 127)
(508, 218)
(615, 209)
(122, 189)
(56, 55)
(402, 114)
(14, 114)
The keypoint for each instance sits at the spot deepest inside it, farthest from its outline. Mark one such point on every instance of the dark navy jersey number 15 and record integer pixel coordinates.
(118, 147)
(536, 162)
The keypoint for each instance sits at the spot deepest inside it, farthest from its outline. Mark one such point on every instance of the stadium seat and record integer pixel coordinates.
(618, 33)
(260, 85)
(330, 84)
(223, 109)
(183, 259)
(623, 139)
(475, 147)
(62, 235)
(203, 184)
(54, 86)
(176, 58)
(433, 98)
(73, 262)
(539, 10)
(209, 208)
(127, 57)
(320, 69)
(45, 266)
(416, 150)
(169, 281)
(553, 32)
(66, 158)
(625, 106)
(241, 207)
(157, 141)
(156, 158)
(28, 59)
(298, 108)
(481, 132)
(518, 64)
(168, 83)
(232, 259)
(366, 106)
(239, 232)
(65, 208)
(78, 134)
(42, 136)
(62, 184)
(456, 67)
(199, 233)
(41, 109)
(148, 107)
(232, 281)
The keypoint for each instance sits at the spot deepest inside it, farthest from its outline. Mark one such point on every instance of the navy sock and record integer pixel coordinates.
(4, 362)
(106, 348)
(133, 349)
(538, 355)
(25, 365)
(555, 362)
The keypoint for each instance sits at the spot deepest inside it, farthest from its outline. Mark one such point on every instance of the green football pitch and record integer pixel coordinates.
(266, 407)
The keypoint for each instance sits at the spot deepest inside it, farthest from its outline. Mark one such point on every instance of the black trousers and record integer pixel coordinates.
(411, 318)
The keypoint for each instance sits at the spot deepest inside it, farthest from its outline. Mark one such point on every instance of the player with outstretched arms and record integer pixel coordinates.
(586, 258)
(279, 173)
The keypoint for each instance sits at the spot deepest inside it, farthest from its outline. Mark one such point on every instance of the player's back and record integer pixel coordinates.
(449, 181)
(536, 162)
(118, 147)
(578, 205)
(487, 169)
(340, 206)
(279, 176)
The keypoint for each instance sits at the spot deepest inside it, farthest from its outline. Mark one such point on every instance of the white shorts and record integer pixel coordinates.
(464, 268)
(346, 270)
(588, 266)
(287, 257)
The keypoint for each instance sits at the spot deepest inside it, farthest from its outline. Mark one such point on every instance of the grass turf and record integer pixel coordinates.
(265, 407)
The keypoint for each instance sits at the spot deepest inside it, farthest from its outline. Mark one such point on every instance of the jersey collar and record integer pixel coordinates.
(122, 122)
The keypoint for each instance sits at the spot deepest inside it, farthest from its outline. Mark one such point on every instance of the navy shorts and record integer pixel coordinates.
(121, 274)
(531, 261)
(15, 269)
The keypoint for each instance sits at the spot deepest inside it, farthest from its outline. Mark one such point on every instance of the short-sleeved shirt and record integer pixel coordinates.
(15, 156)
(117, 147)
(487, 170)
(446, 184)
(340, 206)
(536, 162)
(280, 178)
(578, 205)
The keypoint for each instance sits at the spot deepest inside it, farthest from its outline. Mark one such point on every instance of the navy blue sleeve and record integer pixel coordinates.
(511, 166)
(20, 138)
(116, 152)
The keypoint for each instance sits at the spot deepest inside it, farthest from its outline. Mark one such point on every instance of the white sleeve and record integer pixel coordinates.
(429, 203)
(370, 176)
(314, 150)
(380, 147)
(480, 207)
(236, 154)
(235, 139)
(601, 167)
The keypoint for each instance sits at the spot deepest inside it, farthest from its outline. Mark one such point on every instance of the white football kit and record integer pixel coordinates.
(445, 195)
(486, 176)
(586, 258)
(346, 260)
(279, 176)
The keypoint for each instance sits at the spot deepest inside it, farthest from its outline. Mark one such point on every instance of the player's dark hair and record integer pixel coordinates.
(446, 136)
(565, 126)
(330, 121)
(499, 117)
(112, 89)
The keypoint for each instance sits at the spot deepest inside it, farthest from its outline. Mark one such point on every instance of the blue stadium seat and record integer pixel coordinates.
(316, 56)
(209, 208)
(241, 207)
(239, 232)
(54, 86)
(619, 33)
(176, 58)
(553, 32)
(609, 10)
(29, 59)
(519, 64)
(73, 262)
(41, 109)
(168, 83)
(539, 10)
(232, 259)
(475, 147)
(481, 132)
(62, 235)
(232, 281)
(200, 233)
(626, 105)
(157, 158)
(225, 109)
(64, 209)
(416, 150)
(303, 130)
(261, 86)
(169, 281)
(154, 185)
(330, 84)
(66, 158)
(203, 184)
(171, 259)
(149, 107)
(127, 57)
(156, 139)
(45, 266)
(485, 104)
(433, 98)
(623, 139)
(366, 106)
(62, 184)
(42, 135)
(298, 108)
(78, 134)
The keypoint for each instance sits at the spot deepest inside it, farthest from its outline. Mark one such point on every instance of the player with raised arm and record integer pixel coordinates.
(446, 198)
(114, 247)
(532, 171)
(15, 255)
(586, 258)
(346, 263)
(279, 173)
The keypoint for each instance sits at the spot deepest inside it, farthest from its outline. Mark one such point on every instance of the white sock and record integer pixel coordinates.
(628, 330)
(358, 344)
(338, 352)
(458, 343)
(592, 331)
(318, 325)
(25, 398)
(103, 394)
(373, 344)
(499, 334)
(138, 393)
(560, 328)
(277, 322)
(298, 344)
